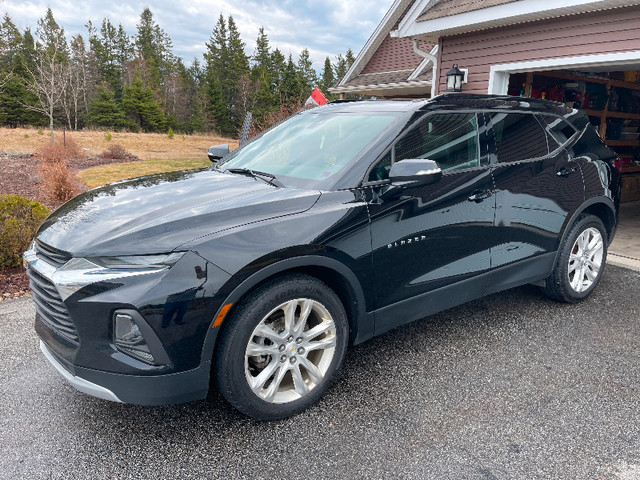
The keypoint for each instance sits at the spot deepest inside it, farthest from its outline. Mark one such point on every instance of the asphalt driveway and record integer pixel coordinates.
(513, 386)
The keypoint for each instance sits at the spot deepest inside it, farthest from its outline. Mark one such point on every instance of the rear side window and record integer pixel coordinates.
(518, 136)
(559, 130)
(451, 139)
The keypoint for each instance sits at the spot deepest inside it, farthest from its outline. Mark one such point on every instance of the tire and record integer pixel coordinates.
(271, 368)
(581, 261)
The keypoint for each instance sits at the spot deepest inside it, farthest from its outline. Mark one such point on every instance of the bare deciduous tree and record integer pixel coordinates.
(49, 76)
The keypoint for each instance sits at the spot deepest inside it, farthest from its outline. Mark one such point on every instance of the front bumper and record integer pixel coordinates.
(135, 389)
(173, 308)
(78, 383)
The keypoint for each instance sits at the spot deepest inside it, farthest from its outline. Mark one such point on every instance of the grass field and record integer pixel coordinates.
(96, 176)
(146, 146)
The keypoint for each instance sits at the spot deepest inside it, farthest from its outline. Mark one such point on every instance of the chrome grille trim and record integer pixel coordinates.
(51, 255)
(50, 307)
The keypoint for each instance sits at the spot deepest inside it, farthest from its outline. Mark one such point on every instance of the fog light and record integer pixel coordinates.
(129, 339)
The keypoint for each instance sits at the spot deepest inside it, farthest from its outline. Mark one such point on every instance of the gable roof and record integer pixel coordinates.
(386, 65)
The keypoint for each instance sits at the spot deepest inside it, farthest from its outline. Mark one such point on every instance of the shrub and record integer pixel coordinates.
(58, 184)
(170, 133)
(19, 220)
(108, 136)
(26, 135)
(117, 152)
(40, 132)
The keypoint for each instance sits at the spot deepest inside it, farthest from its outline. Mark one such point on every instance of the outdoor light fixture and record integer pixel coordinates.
(454, 79)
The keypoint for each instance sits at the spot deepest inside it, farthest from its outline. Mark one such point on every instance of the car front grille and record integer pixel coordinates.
(50, 307)
(51, 255)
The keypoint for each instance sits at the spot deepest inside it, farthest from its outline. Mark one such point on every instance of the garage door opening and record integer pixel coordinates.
(610, 95)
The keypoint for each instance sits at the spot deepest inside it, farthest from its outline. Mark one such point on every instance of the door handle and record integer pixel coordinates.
(566, 171)
(480, 195)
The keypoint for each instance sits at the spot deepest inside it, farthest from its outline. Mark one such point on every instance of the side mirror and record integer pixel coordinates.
(414, 172)
(216, 152)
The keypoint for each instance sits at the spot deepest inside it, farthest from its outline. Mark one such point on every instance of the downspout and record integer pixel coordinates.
(434, 62)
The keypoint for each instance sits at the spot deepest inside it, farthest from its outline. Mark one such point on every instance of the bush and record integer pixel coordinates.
(117, 152)
(59, 152)
(19, 220)
(108, 136)
(58, 184)
(170, 133)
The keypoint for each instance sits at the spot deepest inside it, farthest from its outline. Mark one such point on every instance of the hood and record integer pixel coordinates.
(158, 213)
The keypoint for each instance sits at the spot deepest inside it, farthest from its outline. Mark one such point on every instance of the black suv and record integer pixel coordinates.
(334, 226)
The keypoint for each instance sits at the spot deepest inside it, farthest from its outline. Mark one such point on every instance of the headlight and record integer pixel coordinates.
(80, 272)
(138, 261)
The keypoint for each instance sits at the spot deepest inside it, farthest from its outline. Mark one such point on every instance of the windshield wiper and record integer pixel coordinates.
(264, 176)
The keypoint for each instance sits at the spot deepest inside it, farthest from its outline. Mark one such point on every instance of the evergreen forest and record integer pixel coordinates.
(108, 78)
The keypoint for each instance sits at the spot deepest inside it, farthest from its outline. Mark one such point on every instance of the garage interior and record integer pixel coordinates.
(610, 95)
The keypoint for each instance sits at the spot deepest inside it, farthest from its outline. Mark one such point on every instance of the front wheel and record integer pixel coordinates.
(581, 261)
(282, 348)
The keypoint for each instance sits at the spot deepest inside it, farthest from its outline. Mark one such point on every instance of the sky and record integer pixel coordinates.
(326, 27)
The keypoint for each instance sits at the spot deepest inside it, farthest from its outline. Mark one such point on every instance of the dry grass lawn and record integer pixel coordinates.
(143, 145)
(96, 176)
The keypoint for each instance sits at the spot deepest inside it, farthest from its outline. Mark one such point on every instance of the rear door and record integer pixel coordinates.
(537, 186)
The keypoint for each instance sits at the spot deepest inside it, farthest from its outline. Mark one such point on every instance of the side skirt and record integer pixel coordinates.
(526, 271)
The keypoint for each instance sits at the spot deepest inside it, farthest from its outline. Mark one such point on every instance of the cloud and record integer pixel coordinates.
(327, 27)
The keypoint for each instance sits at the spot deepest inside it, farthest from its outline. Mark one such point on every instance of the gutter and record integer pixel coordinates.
(434, 62)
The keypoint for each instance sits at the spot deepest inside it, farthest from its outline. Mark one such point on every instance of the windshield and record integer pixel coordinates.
(307, 150)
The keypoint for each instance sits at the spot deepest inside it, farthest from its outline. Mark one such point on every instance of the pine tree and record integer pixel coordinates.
(104, 111)
(261, 57)
(278, 65)
(141, 108)
(16, 51)
(193, 79)
(340, 67)
(349, 58)
(306, 73)
(105, 49)
(291, 90)
(154, 47)
(238, 69)
(328, 78)
(217, 61)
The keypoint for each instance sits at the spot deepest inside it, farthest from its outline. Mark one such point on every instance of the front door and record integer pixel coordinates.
(427, 239)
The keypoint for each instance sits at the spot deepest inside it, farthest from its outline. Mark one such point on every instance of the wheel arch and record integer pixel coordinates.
(328, 270)
(601, 207)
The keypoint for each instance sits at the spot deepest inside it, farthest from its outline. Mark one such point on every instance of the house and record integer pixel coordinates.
(580, 52)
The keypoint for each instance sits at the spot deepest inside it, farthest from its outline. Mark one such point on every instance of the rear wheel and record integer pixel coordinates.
(581, 261)
(282, 348)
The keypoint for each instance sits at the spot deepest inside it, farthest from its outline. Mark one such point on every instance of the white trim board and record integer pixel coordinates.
(499, 74)
(499, 15)
(374, 41)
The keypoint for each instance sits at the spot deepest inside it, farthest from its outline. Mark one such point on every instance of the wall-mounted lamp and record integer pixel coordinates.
(454, 79)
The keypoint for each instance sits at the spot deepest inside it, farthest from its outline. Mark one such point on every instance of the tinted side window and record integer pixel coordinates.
(450, 139)
(518, 136)
(559, 129)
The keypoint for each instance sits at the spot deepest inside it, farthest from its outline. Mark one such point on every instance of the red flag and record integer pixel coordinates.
(316, 97)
